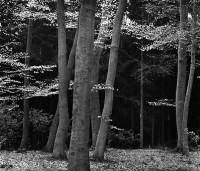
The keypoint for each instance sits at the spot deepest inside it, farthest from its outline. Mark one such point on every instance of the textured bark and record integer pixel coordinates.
(79, 143)
(107, 110)
(25, 137)
(181, 75)
(52, 134)
(94, 96)
(59, 145)
(190, 81)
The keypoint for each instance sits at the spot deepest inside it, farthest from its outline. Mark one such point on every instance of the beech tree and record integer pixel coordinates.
(190, 81)
(98, 49)
(59, 145)
(181, 75)
(79, 143)
(107, 110)
(25, 136)
(69, 69)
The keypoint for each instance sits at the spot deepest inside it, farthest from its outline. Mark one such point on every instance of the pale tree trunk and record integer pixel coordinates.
(107, 110)
(190, 81)
(79, 143)
(98, 48)
(25, 137)
(52, 133)
(59, 145)
(181, 75)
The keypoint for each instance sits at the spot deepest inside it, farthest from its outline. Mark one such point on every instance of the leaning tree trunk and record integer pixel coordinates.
(59, 145)
(190, 81)
(107, 110)
(181, 75)
(94, 96)
(25, 137)
(52, 134)
(79, 143)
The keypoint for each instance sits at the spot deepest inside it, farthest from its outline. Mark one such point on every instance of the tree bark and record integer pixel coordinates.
(59, 145)
(181, 75)
(190, 81)
(107, 110)
(25, 137)
(52, 134)
(79, 143)
(98, 49)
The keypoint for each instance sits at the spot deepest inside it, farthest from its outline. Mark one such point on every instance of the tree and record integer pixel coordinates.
(190, 81)
(107, 110)
(25, 137)
(181, 75)
(98, 48)
(69, 69)
(59, 145)
(79, 143)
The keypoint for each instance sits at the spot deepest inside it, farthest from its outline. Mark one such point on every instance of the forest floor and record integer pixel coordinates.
(115, 160)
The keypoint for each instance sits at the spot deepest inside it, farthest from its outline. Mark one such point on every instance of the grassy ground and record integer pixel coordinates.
(116, 160)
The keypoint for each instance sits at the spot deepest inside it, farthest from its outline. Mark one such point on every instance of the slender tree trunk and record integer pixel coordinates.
(59, 145)
(94, 96)
(79, 143)
(25, 137)
(181, 75)
(190, 82)
(141, 101)
(107, 110)
(153, 129)
(52, 134)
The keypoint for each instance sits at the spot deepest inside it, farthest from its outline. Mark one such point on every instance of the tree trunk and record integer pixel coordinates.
(190, 81)
(25, 137)
(107, 110)
(181, 75)
(79, 143)
(141, 102)
(153, 129)
(59, 145)
(94, 96)
(52, 134)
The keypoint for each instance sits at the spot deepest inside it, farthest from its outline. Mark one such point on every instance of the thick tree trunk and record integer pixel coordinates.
(94, 96)
(25, 137)
(181, 75)
(59, 145)
(79, 143)
(190, 81)
(52, 134)
(107, 110)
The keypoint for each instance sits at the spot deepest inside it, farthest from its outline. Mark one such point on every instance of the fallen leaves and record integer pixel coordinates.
(116, 160)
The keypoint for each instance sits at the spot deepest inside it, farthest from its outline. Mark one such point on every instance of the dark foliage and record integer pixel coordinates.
(123, 139)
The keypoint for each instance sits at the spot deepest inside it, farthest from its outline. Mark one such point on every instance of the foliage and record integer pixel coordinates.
(11, 127)
(122, 139)
(194, 139)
